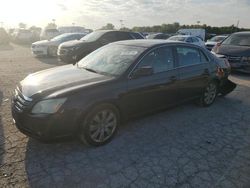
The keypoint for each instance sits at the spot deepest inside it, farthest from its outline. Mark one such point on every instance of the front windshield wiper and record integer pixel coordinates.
(89, 69)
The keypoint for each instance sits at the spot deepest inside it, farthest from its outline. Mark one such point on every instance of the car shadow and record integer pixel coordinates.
(1, 132)
(141, 145)
(50, 60)
(6, 47)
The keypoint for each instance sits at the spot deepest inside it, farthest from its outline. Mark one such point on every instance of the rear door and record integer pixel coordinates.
(193, 66)
(156, 91)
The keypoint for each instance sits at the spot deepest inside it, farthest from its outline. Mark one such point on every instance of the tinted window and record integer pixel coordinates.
(188, 56)
(111, 37)
(160, 59)
(238, 40)
(189, 40)
(136, 36)
(123, 36)
(195, 39)
(203, 57)
(93, 36)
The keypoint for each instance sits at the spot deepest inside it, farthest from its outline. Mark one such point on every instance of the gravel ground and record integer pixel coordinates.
(187, 146)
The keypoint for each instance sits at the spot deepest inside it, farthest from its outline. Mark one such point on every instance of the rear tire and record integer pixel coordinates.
(209, 94)
(99, 125)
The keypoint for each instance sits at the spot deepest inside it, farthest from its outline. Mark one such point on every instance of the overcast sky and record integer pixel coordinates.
(96, 13)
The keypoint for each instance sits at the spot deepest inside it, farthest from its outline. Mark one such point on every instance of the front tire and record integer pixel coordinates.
(99, 125)
(209, 95)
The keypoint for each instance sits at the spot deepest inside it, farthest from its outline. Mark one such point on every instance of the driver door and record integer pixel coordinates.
(156, 91)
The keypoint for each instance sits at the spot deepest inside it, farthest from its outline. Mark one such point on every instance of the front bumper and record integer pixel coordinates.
(226, 86)
(39, 51)
(45, 126)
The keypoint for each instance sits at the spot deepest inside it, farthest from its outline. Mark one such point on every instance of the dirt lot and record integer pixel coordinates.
(187, 146)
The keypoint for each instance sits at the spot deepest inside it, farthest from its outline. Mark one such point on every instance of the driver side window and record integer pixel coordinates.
(160, 60)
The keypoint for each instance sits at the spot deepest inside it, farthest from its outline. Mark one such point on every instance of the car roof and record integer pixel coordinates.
(146, 43)
(184, 36)
(242, 33)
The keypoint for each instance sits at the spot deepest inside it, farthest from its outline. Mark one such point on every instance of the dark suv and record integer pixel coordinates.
(236, 48)
(73, 51)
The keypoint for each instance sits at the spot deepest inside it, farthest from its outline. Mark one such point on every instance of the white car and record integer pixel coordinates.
(49, 47)
(22, 35)
(188, 39)
(213, 41)
(48, 34)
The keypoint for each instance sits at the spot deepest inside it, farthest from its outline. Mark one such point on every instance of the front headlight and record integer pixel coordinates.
(49, 106)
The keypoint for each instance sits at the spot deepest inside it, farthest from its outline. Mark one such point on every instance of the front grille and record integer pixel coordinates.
(20, 101)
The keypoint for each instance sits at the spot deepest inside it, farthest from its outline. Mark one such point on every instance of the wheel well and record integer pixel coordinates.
(88, 110)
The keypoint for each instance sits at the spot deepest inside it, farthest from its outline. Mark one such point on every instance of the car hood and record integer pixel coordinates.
(74, 43)
(60, 78)
(45, 43)
(233, 50)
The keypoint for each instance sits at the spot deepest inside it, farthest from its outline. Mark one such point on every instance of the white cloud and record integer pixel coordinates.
(96, 13)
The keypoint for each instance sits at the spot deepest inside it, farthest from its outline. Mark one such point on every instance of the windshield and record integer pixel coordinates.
(60, 37)
(111, 60)
(177, 38)
(238, 40)
(92, 36)
(217, 38)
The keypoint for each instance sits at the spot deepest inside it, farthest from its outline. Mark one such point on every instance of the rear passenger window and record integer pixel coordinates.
(160, 59)
(188, 56)
(123, 36)
(110, 37)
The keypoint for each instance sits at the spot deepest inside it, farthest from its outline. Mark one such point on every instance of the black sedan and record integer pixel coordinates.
(73, 51)
(236, 48)
(116, 82)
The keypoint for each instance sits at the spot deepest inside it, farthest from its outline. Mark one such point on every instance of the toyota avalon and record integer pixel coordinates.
(113, 83)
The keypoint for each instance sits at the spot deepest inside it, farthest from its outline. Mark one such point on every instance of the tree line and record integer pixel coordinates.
(174, 27)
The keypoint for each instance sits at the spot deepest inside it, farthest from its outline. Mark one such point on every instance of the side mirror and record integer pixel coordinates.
(143, 71)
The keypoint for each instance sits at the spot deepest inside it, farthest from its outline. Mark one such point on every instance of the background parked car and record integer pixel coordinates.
(49, 47)
(189, 39)
(4, 37)
(158, 36)
(73, 51)
(72, 29)
(115, 82)
(22, 36)
(48, 34)
(200, 33)
(213, 41)
(236, 48)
